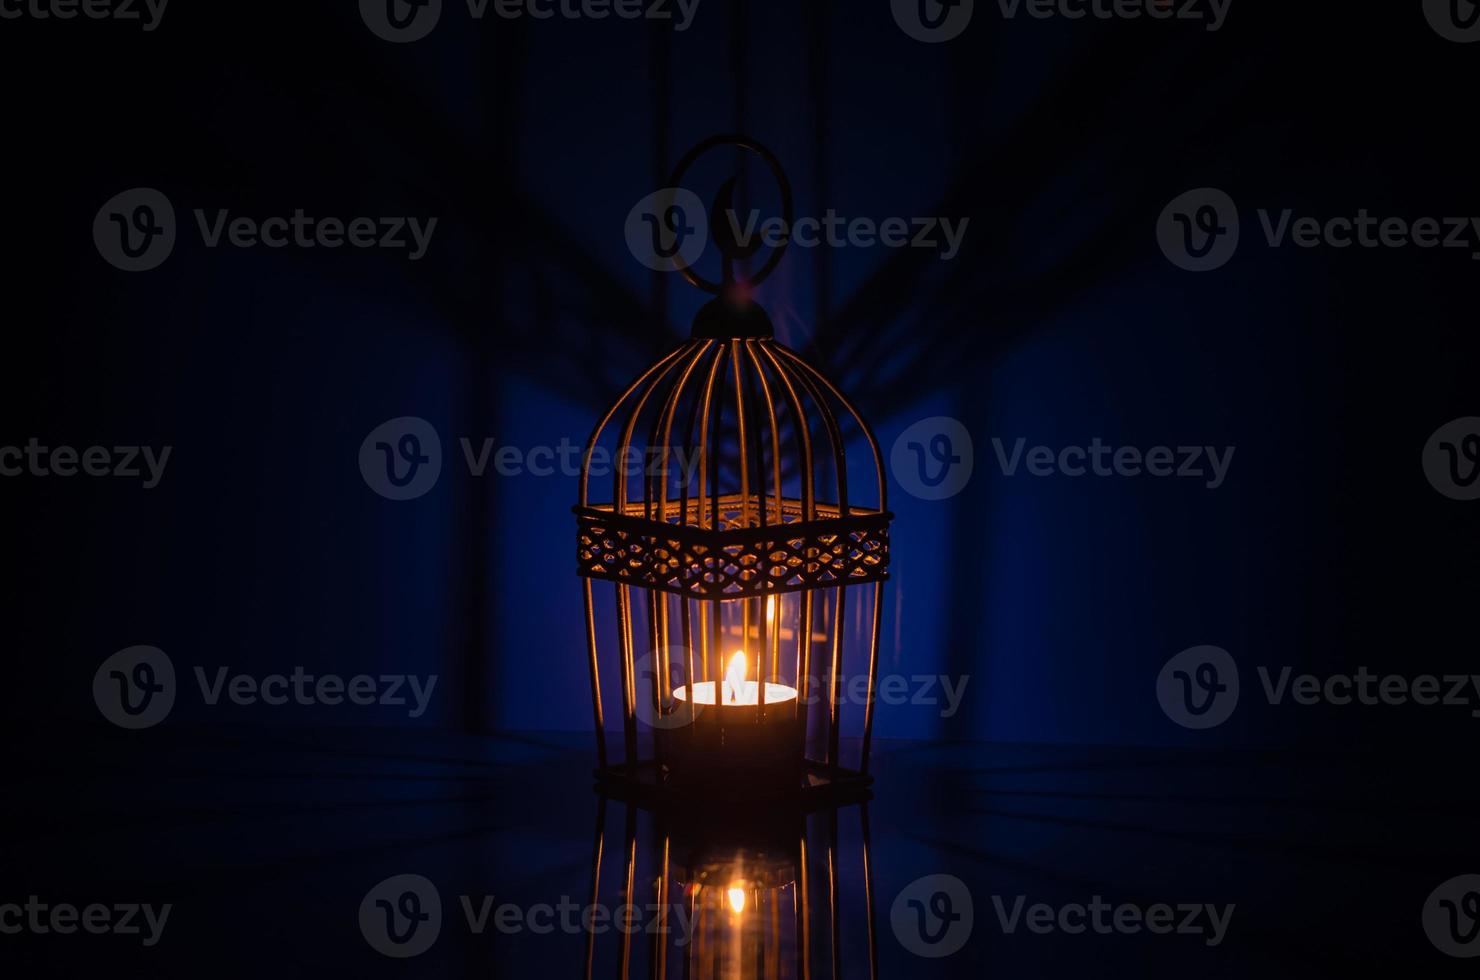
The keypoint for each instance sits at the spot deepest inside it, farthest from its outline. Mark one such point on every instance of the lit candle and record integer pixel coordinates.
(736, 745)
(736, 690)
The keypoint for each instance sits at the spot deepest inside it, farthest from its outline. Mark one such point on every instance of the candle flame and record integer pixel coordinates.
(735, 677)
(770, 608)
(737, 899)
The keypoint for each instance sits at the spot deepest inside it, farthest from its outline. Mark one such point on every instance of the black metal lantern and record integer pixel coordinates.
(733, 550)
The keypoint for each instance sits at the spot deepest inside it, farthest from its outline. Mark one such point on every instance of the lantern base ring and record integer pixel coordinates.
(820, 787)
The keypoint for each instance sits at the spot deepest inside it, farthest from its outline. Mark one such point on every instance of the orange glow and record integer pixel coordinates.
(737, 899)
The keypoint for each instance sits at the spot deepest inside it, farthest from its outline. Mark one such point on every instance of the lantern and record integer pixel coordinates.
(745, 569)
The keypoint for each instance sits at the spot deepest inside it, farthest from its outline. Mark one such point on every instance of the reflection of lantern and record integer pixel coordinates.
(733, 551)
(759, 902)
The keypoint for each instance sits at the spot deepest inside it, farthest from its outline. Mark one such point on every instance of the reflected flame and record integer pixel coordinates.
(737, 899)
(735, 678)
(770, 608)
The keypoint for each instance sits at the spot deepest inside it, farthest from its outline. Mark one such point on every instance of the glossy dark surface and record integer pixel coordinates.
(266, 843)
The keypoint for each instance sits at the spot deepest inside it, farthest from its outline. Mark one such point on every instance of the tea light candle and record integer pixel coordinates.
(736, 691)
(735, 746)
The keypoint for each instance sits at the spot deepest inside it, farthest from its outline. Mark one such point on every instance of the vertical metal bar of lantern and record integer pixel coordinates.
(809, 380)
(868, 893)
(833, 905)
(595, 675)
(873, 668)
(804, 934)
(743, 443)
(661, 435)
(631, 877)
(690, 896)
(835, 679)
(660, 936)
(584, 500)
(770, 613)
(629, 686)
(624, 592)
(809, 514)
(883, 485)
(709, 470)
(596, 881)
(773, 948)
(691, 676)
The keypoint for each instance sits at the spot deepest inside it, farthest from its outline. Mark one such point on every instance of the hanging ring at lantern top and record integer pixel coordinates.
(720, 231)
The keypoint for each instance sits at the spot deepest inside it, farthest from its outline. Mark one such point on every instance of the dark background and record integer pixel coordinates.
(1060, 321)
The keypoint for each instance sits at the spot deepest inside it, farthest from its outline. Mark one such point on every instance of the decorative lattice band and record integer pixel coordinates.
(738, 560)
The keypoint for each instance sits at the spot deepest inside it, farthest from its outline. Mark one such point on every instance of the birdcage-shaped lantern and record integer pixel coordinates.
(745, 571)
